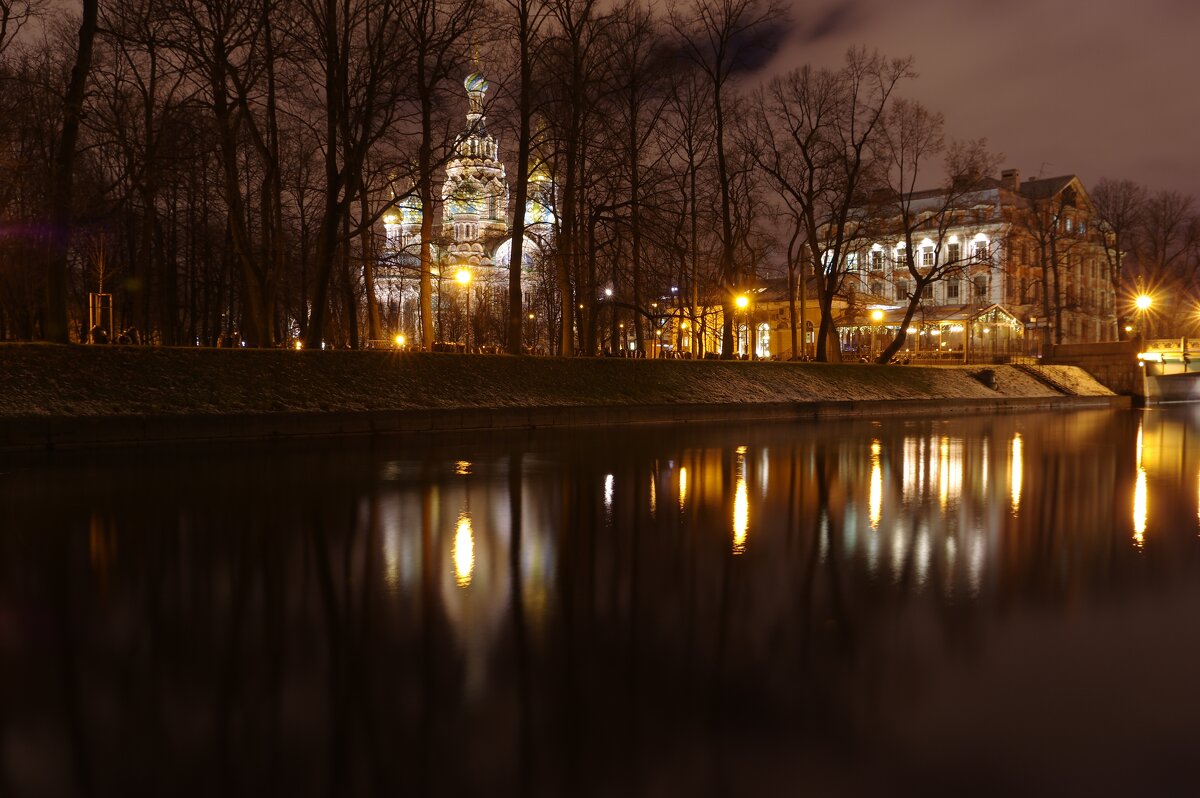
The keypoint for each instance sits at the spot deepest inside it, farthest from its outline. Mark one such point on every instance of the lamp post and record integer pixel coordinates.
(743, 302)
(463, 276)
(1142, 302)
(877, 318)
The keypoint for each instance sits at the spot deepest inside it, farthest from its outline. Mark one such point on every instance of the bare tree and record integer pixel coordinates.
(723, 39)
(1167, 253)
(1119, 209)
(821, 127)
(911, 137)
(57, 320)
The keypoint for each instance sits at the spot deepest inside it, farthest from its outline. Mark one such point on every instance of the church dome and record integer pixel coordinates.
(475, 82)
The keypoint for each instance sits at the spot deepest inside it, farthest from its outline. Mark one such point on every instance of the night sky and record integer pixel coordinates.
(1098, 88)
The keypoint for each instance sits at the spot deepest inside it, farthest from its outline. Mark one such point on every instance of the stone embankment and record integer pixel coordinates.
(53, 396)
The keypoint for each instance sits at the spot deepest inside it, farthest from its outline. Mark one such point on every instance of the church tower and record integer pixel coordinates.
(475, 193)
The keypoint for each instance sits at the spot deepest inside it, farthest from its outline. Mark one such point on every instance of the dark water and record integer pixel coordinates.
(1005, 604)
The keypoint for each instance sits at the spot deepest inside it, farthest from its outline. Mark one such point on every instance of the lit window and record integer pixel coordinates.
(952, 289)
(877, 259)
(953, 252)
(927, 256)
(981, 250)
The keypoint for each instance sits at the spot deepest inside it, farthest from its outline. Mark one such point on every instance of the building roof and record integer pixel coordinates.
(1046, 187)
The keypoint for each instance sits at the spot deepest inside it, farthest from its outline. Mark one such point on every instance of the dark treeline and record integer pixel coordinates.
(225, 173)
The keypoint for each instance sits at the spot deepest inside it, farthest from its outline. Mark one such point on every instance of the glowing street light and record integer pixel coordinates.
(1142, 302)
(742, 302)
(877, 317)
(400, 340)
(463, 276)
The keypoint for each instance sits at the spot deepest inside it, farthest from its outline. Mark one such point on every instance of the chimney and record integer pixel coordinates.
(1011, 180)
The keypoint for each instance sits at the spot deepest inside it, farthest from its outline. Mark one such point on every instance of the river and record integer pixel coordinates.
(997, 604)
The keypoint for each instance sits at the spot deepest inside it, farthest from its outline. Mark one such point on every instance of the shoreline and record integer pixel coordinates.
(54, 397)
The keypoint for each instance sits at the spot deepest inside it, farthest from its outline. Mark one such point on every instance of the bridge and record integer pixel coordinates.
(1171, 369)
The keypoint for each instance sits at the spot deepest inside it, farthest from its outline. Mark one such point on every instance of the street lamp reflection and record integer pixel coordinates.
(741, 505)
(876, 498)
(464, 550)
(1016, 470)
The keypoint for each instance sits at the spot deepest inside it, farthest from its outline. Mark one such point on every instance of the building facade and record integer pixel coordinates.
(1034, 249)
(473, 241)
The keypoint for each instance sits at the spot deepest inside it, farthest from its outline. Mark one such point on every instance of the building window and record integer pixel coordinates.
(1070, 224)
(877, 289)
(877, 259)
(926, 257)
(981, 286)
(902, 289)
(852, 262)
(952, 289)
(953, 252)
(981, 250)
(762, 342)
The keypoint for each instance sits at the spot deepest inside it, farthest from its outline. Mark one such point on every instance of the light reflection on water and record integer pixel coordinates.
(529, 611)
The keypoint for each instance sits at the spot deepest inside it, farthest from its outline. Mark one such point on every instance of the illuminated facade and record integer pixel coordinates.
(475, 228)
(1013, 242)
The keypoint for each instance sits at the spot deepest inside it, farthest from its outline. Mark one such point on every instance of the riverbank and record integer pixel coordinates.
(53, 396)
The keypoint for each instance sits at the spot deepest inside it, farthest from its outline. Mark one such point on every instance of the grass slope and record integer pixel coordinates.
(96, 381)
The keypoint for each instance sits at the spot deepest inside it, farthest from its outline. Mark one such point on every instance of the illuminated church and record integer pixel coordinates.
(475, 230)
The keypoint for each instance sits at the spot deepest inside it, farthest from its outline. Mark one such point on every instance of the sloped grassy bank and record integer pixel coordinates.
(395, 391)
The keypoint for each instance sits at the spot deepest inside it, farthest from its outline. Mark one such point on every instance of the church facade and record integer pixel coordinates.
(472, 244)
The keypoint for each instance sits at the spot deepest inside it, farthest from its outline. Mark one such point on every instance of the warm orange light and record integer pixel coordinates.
(299, 345)
(400, 339)
(1143, 302)
(876, 316)
(742, 301)
(463, 276)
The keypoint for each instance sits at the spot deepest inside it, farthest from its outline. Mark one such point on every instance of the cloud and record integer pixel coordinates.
(1099, 88)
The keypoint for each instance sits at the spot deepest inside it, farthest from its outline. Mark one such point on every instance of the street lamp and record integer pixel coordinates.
(742, 301)
(877, 318)
(1143, 303)
(463, 276)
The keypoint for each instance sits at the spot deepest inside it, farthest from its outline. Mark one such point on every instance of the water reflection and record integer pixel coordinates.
(741, 505)
(1016, 471)
(464, 550)
(531, 617)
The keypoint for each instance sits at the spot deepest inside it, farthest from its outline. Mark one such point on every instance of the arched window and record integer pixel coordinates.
(762, 341)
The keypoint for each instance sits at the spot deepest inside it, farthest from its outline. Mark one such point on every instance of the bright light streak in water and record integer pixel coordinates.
(944, 472)
(741, 505)
(924, 554)
(608, 492)
(985, 463)
(464, 550)
(875, 502)
(1017, 468)
(899, 552)
(462, 468)
(975, 563)
(764, 470)
(1139, 497)
(683, 486)
(1139, 508)
(653, 496)
(912, 468)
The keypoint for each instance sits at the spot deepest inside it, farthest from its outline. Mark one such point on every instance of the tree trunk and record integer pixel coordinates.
(57, 327)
